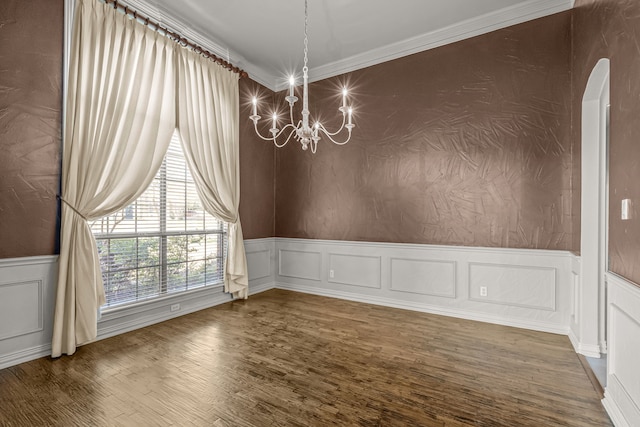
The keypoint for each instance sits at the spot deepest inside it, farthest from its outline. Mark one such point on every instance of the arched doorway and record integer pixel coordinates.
(594, 201)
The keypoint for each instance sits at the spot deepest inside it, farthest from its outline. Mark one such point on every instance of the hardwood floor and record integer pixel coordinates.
(289, 359)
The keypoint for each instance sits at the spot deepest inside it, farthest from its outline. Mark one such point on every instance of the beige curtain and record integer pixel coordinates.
(207, 121)
(120, 116)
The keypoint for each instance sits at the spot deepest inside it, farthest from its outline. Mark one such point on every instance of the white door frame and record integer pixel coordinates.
(593, 234)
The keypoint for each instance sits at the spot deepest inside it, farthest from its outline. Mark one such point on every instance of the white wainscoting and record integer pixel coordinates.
(622, 394)
(425, 277)
(27, 299)
(525, 288)
(27, 294)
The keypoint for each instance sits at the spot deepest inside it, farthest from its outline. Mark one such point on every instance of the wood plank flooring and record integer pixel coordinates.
(289, 359)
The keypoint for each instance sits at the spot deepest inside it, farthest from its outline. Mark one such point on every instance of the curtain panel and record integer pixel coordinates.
(208, 116)
(120, 116)
(128, 89)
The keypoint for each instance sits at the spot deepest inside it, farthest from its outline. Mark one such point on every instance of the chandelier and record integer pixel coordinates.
(307, 135)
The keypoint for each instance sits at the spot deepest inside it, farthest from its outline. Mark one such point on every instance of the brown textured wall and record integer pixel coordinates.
(30, 125)
(31, 46)
(467, 144)
(257, 172)
(611, 29)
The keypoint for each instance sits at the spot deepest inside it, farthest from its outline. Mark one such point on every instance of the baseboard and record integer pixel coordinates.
(574, 340)
(25, 355)
(585, 350)
(425, 308)
(253, 290)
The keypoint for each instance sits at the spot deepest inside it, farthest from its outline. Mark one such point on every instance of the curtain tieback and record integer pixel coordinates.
(70, 206)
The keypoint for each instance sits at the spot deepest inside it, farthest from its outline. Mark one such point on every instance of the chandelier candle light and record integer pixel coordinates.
(307, 136)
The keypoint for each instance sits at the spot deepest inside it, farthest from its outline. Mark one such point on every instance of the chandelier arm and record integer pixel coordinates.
(328, 135)
(326, 132)
(293, 131)
(255, 125)
(273, 139)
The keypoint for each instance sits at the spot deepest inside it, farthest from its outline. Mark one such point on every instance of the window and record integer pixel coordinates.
(164, 242)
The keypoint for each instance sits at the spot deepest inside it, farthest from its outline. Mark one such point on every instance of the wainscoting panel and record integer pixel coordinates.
(622, 394)
(299, 264)
(526, 288)
(518, 286)
(426, 277)
(355, 270)
(21, 308)
(261, 262)
(27, 296)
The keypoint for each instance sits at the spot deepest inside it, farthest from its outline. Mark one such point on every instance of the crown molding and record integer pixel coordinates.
(487, 23)
(499, 19)
(216, 47)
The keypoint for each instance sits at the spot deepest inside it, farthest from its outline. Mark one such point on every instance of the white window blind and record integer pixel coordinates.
(162, 243)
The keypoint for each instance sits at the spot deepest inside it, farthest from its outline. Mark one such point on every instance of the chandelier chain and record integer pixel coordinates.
(306, 38)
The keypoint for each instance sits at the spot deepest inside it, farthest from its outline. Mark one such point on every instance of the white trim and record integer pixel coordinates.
(593, 235)
(484, 24)
(24, 355)
(35, 344)
(217, 47)
(210, 297)
(612, 406)
(124, 319)
(257, 289)
(438, 248)
(551, 307)
(508, 306)
(30, 343)
(316, 277)
(28, 261)
(502, 18)
(585, 350)
(454, 264)
(144, 314)
(614, 412)
(622, 372)
(426, 308)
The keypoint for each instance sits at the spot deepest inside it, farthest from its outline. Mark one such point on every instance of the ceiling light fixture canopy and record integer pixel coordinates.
(307, 135)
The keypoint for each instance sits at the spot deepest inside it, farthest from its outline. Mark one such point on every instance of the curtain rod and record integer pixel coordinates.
(183, 41)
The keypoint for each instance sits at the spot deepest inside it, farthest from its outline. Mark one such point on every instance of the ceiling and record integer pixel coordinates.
(265, 38)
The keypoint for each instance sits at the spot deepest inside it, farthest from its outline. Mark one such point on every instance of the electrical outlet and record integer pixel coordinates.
(483, 291)
(330, 274)
(175, 307)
